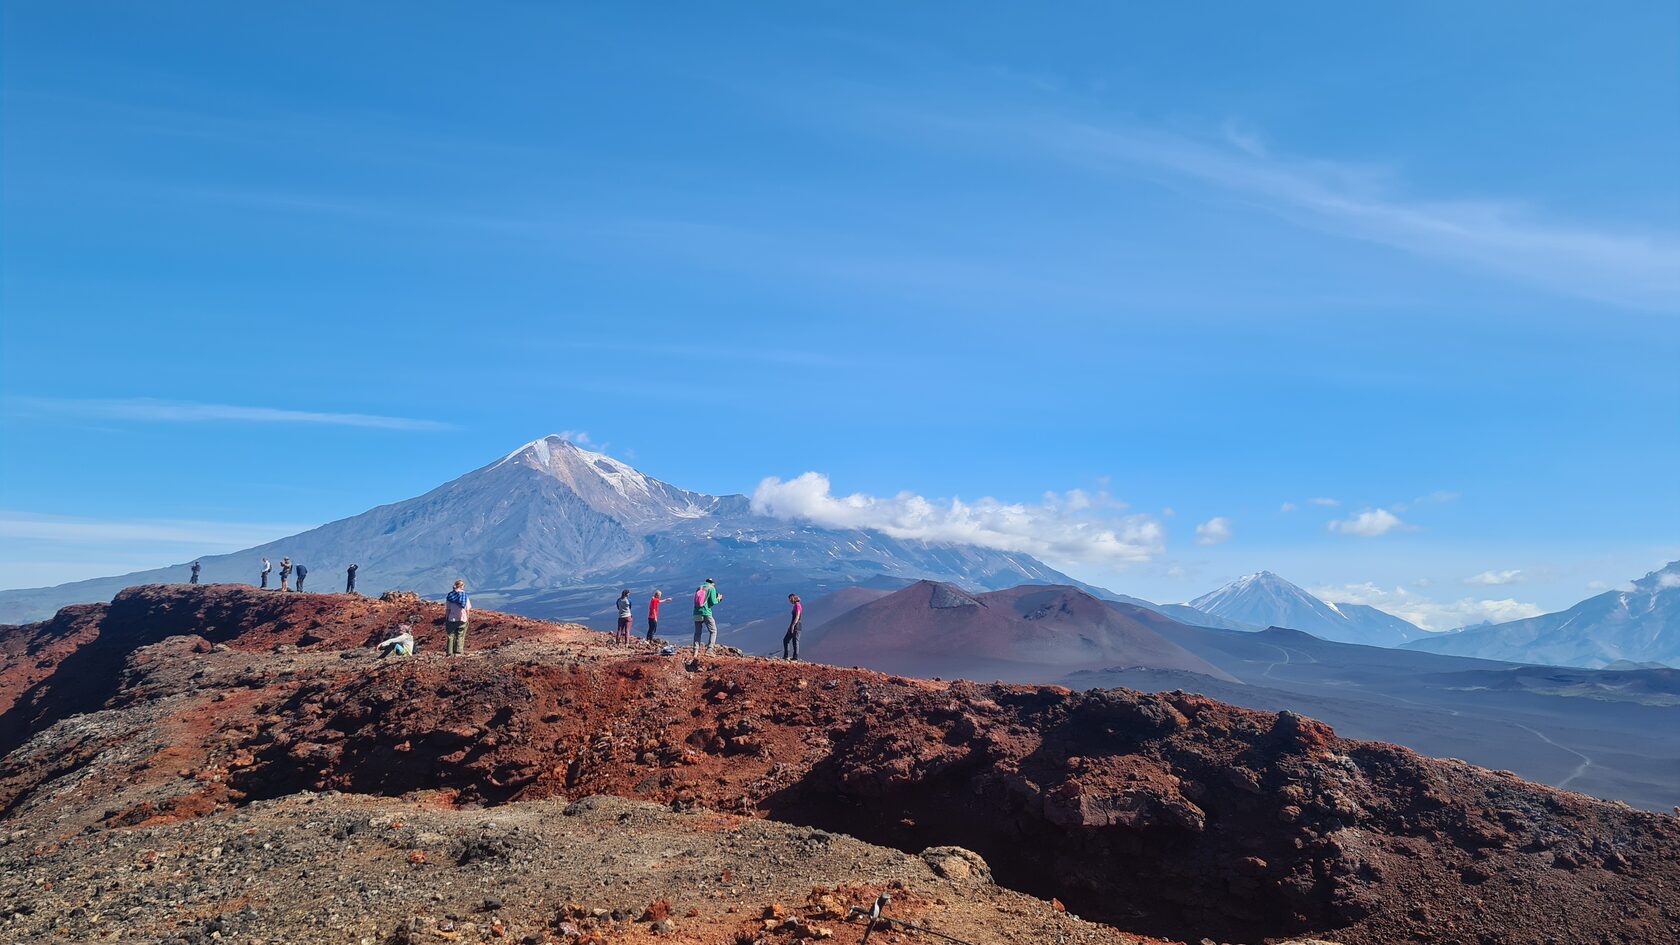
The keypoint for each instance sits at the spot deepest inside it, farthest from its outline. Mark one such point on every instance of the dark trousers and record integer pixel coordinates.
(350, 584)
(300, 581)
(790, 641)
(653, 627)
(194, 578)
(265, 579)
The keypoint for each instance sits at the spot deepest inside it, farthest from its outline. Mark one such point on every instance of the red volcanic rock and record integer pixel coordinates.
(1024, 633)
(1168, 814)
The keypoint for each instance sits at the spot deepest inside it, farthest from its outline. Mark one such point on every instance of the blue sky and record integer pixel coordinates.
(268, 266)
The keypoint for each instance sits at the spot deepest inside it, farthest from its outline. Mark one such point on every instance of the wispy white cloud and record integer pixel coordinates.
(1214, 531)
(147, 410)
(1668, 579)
(1495, 578)
(1368, 524)
(1069, 528)
(1288, 507)
(1438, 497)
(1327, 502)
(1625, 267)
(1426, 613)
(24, 526)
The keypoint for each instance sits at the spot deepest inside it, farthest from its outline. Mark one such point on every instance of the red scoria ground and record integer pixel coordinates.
(1160, 814)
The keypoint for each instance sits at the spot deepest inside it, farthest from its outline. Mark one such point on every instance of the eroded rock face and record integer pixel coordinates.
(1169, 814)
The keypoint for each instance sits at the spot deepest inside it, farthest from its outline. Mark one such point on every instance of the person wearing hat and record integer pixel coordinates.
(706, 597)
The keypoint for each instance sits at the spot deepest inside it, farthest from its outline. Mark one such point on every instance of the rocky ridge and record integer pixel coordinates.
(1166, 815)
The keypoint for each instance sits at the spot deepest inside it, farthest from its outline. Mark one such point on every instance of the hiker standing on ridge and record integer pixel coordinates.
(303, 572)
(625, 611)
(285, 573)
(706, 597)
(194, 578)
(653, 612)
(266, 568)
(350, 579)
(455, 607)
(794, 626)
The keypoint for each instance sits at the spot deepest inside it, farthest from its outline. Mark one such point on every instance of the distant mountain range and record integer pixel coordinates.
(1266, 600)
(553, 530)
(1640, 625)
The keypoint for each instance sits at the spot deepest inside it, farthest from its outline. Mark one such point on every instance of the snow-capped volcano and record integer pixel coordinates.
(611, 487)
(549, 528)
(1640, 625)
(1266, 600)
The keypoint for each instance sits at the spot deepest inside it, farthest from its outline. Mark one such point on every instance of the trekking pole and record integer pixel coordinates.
(874, 914)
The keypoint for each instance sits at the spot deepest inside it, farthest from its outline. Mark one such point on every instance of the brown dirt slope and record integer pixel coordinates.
(1032, 633)
(1165, 814)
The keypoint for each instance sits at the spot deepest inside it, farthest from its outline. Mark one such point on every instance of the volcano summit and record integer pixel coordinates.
(552, 530)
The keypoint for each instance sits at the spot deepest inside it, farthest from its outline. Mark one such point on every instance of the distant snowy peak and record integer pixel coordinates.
(1637, 625)
(609, 486)
(1266, 600)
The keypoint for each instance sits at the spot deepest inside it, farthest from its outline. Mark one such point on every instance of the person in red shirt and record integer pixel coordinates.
(653, 613)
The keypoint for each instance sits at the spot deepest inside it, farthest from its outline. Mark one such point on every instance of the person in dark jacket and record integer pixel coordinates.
(350, 579)
(795, 624)
(302, 573)
(194, 579)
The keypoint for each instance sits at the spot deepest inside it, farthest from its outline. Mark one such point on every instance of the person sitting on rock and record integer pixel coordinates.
(400, 645)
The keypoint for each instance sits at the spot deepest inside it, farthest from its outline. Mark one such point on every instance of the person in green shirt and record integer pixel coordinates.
(706, 597)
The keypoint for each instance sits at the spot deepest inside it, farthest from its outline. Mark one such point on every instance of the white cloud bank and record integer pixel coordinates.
(1214, 531)
(1074, 527)
(1495, 578)
(1368, 524)
(1426, 613)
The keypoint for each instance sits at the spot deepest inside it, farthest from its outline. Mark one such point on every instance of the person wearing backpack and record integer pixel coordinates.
(455, 608)
(653, 612)
(626, 611)
(706, 597)
(795, 624)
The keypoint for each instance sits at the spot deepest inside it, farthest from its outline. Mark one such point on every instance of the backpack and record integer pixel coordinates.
(700, 597)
